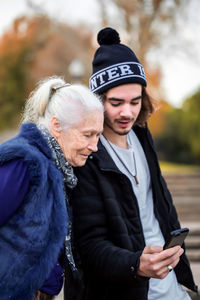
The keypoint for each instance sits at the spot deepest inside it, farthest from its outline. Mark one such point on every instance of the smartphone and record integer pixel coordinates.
(177, 238)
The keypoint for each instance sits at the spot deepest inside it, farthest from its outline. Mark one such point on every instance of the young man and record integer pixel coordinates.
(123, 211)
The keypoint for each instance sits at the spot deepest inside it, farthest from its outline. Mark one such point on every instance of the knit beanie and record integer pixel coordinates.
(114, 63)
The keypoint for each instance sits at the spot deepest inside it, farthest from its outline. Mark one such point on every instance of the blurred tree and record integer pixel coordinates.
(31, 50)
(171, 143)
(144, 21)
(191, 124)
(144, 25)
(60, 49)
(158, 120)
(14, 63)
(37, 47)
(179, 140)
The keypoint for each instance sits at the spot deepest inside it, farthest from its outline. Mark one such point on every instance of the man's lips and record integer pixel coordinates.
(124, 123)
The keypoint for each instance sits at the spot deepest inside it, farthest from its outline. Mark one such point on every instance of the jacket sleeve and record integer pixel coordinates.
(53, 284)
(98, 253)
(14, 179)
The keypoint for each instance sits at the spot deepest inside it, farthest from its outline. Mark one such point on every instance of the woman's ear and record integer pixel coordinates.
(55, 128)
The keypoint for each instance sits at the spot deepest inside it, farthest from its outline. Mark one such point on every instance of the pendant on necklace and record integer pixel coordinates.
(136, 180)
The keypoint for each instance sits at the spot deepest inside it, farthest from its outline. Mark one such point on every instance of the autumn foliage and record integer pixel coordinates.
(32, 49)
(37, 47)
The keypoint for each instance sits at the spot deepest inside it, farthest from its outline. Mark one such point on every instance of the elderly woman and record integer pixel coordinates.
(61, 128)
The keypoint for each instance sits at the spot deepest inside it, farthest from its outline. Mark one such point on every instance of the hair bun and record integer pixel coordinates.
(108, 36)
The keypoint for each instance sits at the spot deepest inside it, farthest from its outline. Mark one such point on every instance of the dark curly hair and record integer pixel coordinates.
(147, 108)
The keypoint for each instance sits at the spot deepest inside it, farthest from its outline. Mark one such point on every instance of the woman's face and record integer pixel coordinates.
(79, 142)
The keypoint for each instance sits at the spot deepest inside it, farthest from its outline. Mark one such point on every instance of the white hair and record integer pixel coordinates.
(70, 104)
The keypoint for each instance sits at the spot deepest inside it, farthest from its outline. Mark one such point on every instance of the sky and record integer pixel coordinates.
(181, 73)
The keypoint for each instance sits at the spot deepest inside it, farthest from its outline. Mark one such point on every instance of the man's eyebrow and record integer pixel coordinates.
(121, 99)
(136, 98)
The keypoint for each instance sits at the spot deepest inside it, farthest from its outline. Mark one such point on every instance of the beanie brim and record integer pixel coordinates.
(117, 74)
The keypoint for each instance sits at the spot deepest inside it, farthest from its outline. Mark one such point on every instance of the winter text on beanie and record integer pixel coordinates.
(114, 63)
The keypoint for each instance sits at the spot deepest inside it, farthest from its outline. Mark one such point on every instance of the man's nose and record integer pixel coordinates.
(126, 111)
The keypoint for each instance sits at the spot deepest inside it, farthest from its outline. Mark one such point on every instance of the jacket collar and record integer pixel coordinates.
(104, 160)
(30, 132)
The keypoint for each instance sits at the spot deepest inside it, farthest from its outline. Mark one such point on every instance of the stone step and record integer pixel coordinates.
(195, 266)
(194, 227)
(187, 199)
(178, 176)
(184, 185)
(193, 255)
(186, 192)
(193, 242)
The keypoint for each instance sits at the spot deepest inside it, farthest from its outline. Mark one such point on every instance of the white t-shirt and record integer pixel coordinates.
(132, 162)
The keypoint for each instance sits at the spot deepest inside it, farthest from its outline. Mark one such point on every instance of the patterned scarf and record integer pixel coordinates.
(69, 180)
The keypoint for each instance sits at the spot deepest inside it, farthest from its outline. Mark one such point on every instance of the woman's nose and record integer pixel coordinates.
(93, 147)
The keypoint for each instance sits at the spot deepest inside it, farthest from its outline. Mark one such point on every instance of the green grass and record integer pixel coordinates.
(168, 167)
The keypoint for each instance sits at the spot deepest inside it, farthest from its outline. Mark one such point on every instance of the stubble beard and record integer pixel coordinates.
(109, 125)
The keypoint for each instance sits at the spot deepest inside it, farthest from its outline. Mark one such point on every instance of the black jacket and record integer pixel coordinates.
(108, 229)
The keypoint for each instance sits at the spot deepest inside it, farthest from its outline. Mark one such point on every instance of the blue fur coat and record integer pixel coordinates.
(30, 242)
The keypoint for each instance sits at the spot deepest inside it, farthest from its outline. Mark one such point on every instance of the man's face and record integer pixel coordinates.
(122, 107)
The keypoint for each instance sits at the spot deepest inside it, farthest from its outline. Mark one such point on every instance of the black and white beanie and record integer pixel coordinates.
(114, 63)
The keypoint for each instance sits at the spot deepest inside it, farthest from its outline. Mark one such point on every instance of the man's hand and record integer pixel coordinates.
(154, 261)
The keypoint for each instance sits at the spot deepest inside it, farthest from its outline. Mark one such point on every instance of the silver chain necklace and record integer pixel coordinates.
(124, 165)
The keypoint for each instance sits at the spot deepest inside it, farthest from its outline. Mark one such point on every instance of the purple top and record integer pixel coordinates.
(14, 185)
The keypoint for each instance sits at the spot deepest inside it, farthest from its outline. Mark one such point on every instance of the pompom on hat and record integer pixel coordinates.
(114, 63)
